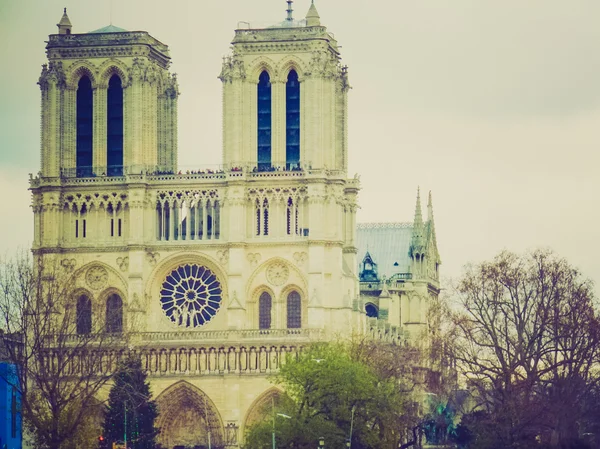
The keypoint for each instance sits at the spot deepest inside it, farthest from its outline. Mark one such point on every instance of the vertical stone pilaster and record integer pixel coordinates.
(69, 129)
(44, 120)
(100, 129)
(50, 164)
(134, 117)
(278, 123)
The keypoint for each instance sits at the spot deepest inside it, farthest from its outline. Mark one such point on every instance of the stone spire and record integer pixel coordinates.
(429, 209)
(431, 238)
(417, 243)
(64, 26)
(312, 16)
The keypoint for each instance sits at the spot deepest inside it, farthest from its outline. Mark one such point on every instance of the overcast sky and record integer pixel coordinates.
(493, 105)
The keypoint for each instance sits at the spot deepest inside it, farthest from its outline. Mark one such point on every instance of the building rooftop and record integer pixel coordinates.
(109, 29)
(387, 243)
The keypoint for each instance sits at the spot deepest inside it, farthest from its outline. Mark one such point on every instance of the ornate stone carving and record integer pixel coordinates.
(233, 68)
(68, 264)
(235, 302)
(136, 305)
(123, 263)
(223, 256)
(254, 258)
(278, 273)
(96, 277)
(323, 64)
(191, 295)
(231, 434)
(300, 258)
(152, 257)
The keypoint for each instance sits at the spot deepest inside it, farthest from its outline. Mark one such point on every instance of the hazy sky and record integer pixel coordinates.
(493, 105)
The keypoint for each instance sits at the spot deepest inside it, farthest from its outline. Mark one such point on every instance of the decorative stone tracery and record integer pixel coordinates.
(191, 295)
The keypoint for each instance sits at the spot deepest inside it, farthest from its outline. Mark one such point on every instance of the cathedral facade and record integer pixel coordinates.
(215, 275)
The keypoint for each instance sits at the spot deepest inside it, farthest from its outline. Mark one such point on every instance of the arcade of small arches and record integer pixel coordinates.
(112, 312)
(293, 310)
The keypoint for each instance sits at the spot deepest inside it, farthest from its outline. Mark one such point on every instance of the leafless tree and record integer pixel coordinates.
(60, 370)
(527, 341)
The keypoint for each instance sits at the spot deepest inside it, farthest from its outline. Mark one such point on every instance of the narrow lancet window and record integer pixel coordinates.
(264, 122)
(292, 121)
(114, 128)
(114, 314)
(294, 311)
(84, 315)
(85, 106)
(264, 311)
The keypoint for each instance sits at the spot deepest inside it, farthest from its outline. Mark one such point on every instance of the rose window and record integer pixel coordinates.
(191, 295)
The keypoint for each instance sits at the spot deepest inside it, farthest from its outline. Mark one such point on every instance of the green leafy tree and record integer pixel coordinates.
(130, 413)
(329, 388)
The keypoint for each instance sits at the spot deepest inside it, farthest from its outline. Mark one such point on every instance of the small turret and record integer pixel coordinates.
(312, 16)
(64, 26)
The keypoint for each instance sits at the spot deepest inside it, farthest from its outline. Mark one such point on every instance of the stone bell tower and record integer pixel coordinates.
(109, 104)
(285, 97)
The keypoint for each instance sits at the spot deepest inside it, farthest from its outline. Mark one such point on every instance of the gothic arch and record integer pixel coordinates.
(110, 68)
(186, 415)
(261, 406)
(114, 279)
(282, 300)
(259, 65)
(252, 308)
(295, 276)
(80, 69)
(164, 316)
(164, 267)
(102, 305)
(288, 64)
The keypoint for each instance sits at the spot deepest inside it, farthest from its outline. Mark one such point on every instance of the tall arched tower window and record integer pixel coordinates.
(264, 311)
(292, 121)
(294, 311)
(114, 128)
(85, 107)
(84, 315)
(264, 121)
(114, 314)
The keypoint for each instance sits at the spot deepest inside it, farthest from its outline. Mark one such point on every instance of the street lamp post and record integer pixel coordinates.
(321, 443)
(351, 427)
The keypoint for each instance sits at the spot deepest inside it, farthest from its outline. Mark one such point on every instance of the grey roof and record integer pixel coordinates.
(387, 243)
(108, 29)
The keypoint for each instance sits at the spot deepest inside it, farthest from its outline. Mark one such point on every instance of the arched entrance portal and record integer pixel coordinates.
(188, 418)
(262, 408)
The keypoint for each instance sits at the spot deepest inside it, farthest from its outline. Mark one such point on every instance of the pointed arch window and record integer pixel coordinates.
(114, 128)
(292, 121)
(264, 311)
(294, 311)
(84, 315)
(114, 314)
(264, 121)
(85, 109)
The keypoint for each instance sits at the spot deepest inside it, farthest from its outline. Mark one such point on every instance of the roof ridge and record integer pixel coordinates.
(390, 224)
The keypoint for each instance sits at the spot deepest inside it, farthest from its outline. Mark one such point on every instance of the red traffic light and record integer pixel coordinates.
(100, 438)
